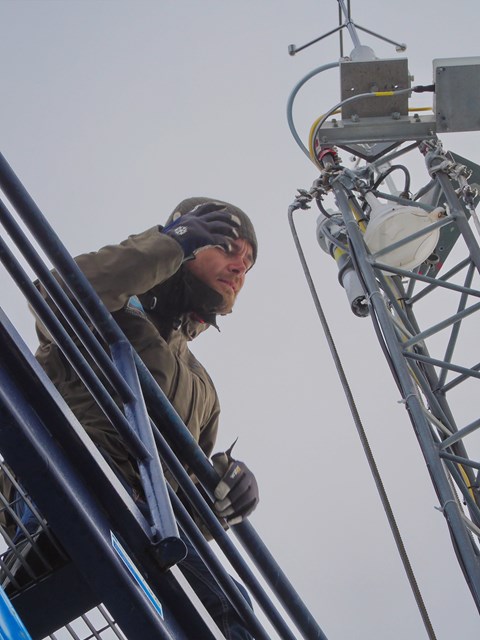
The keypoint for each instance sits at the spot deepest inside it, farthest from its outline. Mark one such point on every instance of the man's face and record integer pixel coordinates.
(223, 271)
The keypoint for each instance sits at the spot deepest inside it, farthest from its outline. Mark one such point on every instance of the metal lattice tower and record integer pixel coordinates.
(410, 261)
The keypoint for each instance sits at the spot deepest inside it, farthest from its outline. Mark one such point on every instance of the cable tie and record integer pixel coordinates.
(442, 509)
(369, 296)
(405, 401)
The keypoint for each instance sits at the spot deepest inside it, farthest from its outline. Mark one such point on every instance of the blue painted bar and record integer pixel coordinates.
(11, 627)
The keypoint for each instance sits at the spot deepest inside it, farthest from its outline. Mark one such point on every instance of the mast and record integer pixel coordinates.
(409, 261)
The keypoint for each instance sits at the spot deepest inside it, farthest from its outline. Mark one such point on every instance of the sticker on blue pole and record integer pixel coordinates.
(127, 561)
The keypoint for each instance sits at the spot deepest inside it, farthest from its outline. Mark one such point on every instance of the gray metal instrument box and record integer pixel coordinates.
(457, 94)
(368, 77)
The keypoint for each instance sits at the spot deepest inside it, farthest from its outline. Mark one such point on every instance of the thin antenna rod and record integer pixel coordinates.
(340, 33)
(349, 24)
(352, 30)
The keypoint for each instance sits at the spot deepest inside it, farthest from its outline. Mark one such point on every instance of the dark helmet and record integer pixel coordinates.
(246, 230)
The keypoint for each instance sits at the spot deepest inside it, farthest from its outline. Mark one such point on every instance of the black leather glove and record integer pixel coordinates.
(237, 492)
(208, 225)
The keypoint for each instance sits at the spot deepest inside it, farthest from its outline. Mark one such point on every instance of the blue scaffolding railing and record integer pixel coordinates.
(107, 552)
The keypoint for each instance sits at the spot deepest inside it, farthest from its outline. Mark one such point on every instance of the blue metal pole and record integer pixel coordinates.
(11, 627)
(218, 572)
(170, 549)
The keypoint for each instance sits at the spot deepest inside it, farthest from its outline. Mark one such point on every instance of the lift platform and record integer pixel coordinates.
(91, 563)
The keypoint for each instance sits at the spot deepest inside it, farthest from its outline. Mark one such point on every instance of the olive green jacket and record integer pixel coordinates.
(147, 263)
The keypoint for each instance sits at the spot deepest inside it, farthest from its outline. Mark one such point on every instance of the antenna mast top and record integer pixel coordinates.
(345, 22)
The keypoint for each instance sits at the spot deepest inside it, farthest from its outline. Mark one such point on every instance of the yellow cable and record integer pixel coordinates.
(415, 109)
(310, 140)
(311, 137)
(358, 217)
(466, 479)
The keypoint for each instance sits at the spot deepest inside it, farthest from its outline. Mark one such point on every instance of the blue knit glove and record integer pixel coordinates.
(208, 225)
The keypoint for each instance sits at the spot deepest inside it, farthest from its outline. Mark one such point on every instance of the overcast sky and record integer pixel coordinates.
(112, 112)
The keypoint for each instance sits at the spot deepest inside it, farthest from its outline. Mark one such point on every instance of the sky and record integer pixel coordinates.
(112, 112)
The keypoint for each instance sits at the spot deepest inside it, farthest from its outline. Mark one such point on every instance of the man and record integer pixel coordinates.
(164, 287)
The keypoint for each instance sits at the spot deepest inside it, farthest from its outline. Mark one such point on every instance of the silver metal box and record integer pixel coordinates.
(374, 75)
(457, 94)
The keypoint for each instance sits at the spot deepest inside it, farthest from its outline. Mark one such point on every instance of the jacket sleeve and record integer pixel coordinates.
(208, 433)
(132, 267)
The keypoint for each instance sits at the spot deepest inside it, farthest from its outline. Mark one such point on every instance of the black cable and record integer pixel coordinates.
(324, 212)
(422, 88)
(388, 171)
(360, 429)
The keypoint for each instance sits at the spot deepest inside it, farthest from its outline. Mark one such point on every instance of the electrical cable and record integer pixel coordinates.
(416, 109)
(388, 171)
(291, 99)
(318, 124)
(324, 212)
(334, 240)
(360, 429)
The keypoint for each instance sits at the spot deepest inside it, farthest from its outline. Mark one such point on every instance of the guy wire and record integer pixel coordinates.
(361, 431)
